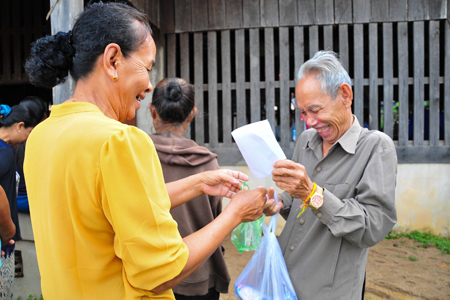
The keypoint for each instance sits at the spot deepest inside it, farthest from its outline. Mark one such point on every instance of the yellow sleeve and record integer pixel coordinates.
(136, 203)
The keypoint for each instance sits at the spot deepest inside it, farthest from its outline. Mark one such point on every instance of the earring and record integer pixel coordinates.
(114, 78)
(18, 131)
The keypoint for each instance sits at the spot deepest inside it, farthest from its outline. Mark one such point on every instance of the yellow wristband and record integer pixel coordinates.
(312, 192)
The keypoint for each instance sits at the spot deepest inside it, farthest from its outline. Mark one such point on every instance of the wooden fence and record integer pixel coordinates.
(244, 66)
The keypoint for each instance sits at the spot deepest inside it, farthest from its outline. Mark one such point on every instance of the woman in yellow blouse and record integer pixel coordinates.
(98, 202)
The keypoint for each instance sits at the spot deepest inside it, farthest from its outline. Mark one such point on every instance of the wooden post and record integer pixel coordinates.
(62, 19)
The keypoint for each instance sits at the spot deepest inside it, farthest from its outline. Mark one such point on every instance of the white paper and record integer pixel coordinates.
(259, 147)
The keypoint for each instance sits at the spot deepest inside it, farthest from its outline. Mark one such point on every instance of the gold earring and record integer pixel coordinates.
(114, 78)
(18, 131)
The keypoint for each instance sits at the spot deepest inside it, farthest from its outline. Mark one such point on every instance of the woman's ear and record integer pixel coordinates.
(20, 126)
(191, 115)
(153, 111)
(112, 57)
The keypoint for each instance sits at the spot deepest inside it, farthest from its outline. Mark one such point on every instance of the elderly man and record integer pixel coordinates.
(339, 197)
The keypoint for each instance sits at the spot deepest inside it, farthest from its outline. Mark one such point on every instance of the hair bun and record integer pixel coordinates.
(173, 92)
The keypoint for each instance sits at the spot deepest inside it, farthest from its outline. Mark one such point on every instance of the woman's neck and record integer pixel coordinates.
(169, 127)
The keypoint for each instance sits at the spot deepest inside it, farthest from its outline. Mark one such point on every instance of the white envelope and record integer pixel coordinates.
(259, 147)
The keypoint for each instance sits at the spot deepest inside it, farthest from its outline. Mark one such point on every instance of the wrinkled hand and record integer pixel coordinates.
(222, 183)
(249, 205)
(292, 178)
(271, 207)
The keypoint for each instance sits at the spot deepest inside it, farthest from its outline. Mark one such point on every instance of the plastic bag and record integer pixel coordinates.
(265, 277)
(247, 236)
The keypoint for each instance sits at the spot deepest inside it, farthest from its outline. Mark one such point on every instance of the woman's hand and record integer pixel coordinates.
(247, 205)
(222, 183)
(292, 178)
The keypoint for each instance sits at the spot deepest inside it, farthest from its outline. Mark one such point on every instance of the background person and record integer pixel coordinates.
(348, 173)
(98, 202)
(172, 109)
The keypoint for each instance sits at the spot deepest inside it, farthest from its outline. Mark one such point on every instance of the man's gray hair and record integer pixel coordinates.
(329, 71)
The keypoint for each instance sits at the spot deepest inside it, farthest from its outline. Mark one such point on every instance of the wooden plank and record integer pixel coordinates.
(358, 50)
(398, 10)
(313, 40)
(183, 16)
(226, 88)
(328, 37)
(216, 16)
(362, 11)
(343, 11)
(212, 89)
(299, 56)
(373, 76)
(324, 12)
(306, 12)
(168, 15)
(255, 101)
(380, 11)
(419, 54)
(240, 78)
(251, 13)
(285, 101)
(388, 92)
(269, 13)
(269, 55)
(434, 83)
(447, 84)
(234, 13)
(437, 9)
(5, 20)
(417, 10)
(171, 55)
(17, 72)
(343, 46)
(403, 87)
(184, 67)
(288, 13)
(199, 15)
(198, 79)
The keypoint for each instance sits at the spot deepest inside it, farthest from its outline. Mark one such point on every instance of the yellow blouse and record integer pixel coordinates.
(99, 208)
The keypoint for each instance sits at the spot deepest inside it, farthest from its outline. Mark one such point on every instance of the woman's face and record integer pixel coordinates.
(133, 79)
(19, 134)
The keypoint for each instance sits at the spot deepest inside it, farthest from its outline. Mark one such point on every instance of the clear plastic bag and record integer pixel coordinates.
(265, 277)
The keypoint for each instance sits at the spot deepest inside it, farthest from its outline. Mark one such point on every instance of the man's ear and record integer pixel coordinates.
(347, 95)
(112, 57)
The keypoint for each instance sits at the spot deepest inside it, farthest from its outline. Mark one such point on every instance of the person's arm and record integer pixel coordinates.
(222, 183)
(7, 227)
(245, 206)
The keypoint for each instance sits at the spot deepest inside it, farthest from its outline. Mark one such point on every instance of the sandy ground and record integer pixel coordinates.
(392, 272)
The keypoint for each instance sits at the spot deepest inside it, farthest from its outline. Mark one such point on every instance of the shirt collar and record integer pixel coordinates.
(347, 141)
(73, 107)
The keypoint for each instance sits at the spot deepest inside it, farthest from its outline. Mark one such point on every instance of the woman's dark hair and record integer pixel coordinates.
(174, 99)
(100, 24)
(37, 106)
(19, 113)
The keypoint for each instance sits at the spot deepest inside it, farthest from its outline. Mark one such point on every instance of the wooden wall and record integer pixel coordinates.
(201, 15)
(243, 60)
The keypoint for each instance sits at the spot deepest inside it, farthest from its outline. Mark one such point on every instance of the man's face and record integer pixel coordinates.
(330, 117)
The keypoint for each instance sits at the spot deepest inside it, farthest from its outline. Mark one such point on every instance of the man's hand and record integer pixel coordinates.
(292, 178)
(222, 183)
(271, 208)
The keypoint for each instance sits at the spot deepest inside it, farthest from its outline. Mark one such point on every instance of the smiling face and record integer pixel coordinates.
(133, 79)
(330, 117)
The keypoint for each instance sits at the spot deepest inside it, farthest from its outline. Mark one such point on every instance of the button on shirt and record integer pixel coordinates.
(328, 251)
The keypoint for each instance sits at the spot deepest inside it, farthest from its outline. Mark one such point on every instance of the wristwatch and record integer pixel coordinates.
(316, 200)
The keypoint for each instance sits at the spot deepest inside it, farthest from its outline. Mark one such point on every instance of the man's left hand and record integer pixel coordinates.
(292, 178)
